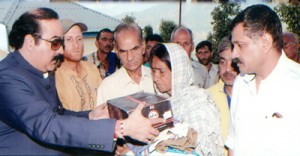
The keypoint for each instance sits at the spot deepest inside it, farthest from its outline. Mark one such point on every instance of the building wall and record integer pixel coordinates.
(89, 45)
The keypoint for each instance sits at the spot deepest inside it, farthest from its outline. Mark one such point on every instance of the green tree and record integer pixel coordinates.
(128, 19)
(148, 30)
(166, 28)
(289, 14)
(222, 17)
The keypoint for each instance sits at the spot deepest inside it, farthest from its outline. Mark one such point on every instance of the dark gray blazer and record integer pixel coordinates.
(29, 121)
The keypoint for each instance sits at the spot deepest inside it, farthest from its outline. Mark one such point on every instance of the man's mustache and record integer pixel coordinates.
(58, 59)
(204, 59)
(236, 60)
(108, 46)
(228, 74)
(234, 65)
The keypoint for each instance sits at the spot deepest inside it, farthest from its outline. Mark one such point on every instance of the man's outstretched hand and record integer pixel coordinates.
(140, 128)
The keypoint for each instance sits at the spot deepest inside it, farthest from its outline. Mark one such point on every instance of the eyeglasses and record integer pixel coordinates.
(55, 44)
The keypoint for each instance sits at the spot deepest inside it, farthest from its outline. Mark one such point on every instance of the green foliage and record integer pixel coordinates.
(290, 14)
(148, 30)
(128, 19)
(222, 16)
(166, 28)
(210, 37)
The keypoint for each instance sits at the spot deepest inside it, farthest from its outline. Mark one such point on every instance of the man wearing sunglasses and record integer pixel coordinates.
(32, 121)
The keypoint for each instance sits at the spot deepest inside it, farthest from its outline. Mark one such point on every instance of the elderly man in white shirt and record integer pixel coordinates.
(133, 76)
(184, 37)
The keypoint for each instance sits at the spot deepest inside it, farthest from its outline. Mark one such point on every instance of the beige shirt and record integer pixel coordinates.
(78, 92)
(120, 84)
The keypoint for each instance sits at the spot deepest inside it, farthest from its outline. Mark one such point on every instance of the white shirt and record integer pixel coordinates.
(213, 76)
(120, 84)
(199, 78)
(253, 131)
(204, 78)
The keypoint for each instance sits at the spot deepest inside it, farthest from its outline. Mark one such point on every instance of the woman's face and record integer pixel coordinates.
(162, 75)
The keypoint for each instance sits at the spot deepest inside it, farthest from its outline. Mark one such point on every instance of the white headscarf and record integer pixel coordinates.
(193, 105)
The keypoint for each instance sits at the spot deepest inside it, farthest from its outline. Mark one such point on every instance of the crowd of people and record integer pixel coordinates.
(54, 99)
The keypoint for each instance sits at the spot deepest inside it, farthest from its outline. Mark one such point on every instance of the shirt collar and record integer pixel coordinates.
(250, 78)
(221, 85)
(46, 75)
(25, 64)
(126, 80)
(280, 64)
(82, 75)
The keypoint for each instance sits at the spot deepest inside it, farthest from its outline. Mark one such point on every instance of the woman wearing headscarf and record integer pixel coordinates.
(173, 74)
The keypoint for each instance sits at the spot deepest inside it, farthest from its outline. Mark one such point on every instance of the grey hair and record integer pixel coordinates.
(128, 27)
(181, 28)
(224, 44)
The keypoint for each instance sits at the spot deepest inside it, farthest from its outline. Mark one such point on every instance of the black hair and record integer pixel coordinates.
(258, 19)
(154, 37)
(235, 66)
(161, 52)
(225, 44)
(103, 30)
(203, 44)
(28, 23)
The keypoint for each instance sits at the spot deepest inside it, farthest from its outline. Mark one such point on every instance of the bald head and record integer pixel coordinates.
(184, 37)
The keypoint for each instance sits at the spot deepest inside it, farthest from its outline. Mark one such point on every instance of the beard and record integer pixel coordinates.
(204, 61)
(107, 49)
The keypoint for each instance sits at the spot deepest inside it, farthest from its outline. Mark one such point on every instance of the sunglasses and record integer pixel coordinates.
(55, 44)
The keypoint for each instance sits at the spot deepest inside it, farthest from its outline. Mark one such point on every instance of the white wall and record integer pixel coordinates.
(3, 37)
(3, 41)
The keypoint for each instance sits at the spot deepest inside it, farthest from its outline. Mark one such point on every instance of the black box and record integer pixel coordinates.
(156, 106)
